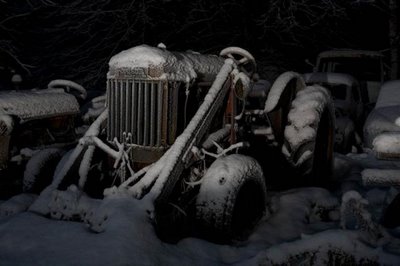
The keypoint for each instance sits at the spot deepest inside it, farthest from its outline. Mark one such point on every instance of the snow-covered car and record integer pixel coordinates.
(366, 66)
(382, 136)
(385, 117)
(349, 107)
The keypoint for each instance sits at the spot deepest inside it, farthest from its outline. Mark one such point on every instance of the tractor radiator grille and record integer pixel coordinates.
(135, 111)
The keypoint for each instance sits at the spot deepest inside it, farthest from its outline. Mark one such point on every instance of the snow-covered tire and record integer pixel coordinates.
(309, 135)
(40, 169)
(231, 199)
(391, 218)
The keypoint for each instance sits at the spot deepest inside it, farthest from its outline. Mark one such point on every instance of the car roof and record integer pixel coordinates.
(330, 77)
(389, 94)
(350, 53)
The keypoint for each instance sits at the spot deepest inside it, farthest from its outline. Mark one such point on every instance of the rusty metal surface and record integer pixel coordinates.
(147, 155)
(194, 133)
(4, 144)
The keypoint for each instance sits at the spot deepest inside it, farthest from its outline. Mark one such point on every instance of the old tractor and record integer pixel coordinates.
(36, 127)
(192, 136)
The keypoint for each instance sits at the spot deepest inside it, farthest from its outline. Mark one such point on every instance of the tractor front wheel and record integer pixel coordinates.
(232, 198)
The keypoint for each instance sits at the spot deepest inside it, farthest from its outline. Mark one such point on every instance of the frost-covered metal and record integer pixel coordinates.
(385, 116)
(28, 105)
(143, 86)
(146, 62)
(168, 117)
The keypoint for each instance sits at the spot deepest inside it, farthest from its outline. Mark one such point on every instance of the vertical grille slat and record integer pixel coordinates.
(159, 112)
(146, 114)
(136, 110)
(140, 115)
(128, 103)
(153, 114)
(122, 111)
(116, 109)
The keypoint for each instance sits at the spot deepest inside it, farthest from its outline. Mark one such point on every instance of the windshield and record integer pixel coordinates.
(338, 91)
(363, 68)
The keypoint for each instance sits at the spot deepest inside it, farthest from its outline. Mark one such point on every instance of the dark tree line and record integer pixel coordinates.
(75, 39)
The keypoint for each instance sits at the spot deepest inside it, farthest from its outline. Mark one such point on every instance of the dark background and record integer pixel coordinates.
(51, 39)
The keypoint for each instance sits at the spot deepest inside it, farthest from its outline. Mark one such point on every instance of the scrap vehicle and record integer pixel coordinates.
(349, 107)
(366, 66)
(382, 137)
(36, 127)
(384, 118)
(182, 134)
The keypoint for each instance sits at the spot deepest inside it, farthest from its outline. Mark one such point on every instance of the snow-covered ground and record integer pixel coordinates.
(305, 225)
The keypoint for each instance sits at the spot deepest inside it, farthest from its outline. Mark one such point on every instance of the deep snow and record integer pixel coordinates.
(301, 225)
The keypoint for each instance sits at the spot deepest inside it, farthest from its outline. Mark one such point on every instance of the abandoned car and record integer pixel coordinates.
(384, 118)
(366, 66)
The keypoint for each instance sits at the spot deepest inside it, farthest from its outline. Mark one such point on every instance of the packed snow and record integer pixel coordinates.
(381, 177)
(302, 225)
(388, 144)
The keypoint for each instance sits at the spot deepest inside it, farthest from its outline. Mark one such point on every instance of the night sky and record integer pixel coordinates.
(75, 39)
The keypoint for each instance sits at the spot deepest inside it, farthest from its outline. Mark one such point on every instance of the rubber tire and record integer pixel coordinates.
(309, 136)
(232, 198)
(391, 218)
(40, 169)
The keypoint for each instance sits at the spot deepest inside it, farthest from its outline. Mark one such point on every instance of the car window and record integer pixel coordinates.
(338, 91)
(356, 93)
(363, 68)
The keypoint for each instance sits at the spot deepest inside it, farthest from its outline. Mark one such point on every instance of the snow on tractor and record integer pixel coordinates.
(36, 126)
(186, 134)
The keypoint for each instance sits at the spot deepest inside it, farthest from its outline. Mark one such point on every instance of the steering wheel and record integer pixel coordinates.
(242, 58)
(69, 86)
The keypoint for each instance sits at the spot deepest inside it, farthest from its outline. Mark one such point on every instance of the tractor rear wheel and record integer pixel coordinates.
(309, 136)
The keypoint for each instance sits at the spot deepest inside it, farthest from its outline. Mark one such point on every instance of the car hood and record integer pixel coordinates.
(384, 119)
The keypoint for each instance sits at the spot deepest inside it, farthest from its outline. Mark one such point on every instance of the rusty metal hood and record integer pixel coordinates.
(29, 105)
(146, 62)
